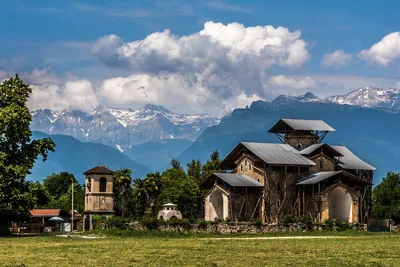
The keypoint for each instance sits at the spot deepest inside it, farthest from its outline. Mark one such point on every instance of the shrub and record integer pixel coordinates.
(258, 223)
(202, 224)
(228, 221)
(184, 223)
(341, 225)
(287, 219)
(150, 223)
(328, 224)
(116, 222)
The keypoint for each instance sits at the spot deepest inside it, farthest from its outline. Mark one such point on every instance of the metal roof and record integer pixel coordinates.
(239, 180)
(351, 161)
(300, 125)
(312, 148)
(318, 177)
(278, 154)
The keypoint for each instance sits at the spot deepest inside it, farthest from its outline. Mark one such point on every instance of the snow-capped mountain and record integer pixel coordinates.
(122, 128)
(307, 97)
(370, 97)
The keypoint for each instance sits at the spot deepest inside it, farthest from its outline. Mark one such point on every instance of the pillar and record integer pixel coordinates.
(90, 222)
(84, 222)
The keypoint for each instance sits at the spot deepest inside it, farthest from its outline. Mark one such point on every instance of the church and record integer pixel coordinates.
(302, 175)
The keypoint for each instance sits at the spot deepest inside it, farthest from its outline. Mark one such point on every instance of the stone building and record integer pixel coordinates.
(99, 196)
(169, 211)
(300, 176)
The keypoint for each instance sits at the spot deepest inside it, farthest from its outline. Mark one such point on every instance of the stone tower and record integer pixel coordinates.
(301, 133)
(99, 196)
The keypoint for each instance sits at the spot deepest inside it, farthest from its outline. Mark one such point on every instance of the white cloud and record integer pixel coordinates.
(287, 82)
(49, 92)
(383, 52)
(216, 64)
(336, 59)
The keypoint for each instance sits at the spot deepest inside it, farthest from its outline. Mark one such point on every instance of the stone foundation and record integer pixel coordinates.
(244, 228)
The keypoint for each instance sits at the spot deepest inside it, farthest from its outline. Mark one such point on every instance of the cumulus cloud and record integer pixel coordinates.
(383, 52)
(49, 92)
(336, 59)
(220, 62)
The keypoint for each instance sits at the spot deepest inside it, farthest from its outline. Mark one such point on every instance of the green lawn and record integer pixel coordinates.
(378, 249)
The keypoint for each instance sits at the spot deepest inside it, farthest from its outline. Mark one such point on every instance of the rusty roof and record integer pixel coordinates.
(45, 212)
(99, 170)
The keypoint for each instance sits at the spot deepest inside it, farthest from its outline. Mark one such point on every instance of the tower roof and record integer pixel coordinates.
(290, 125)
(99, 170)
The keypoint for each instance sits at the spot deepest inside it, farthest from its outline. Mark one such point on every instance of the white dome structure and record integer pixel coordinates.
(169, 211)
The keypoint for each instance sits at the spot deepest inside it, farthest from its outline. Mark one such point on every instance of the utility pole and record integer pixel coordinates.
(72, 213)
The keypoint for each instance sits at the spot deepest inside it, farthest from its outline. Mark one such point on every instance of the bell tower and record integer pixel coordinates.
(301, 133)
(99, 196)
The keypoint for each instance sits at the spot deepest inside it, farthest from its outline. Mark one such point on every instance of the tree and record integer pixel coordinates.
(18, 152)
(176, 164)
(39, 195)
(59, 187)
(180, 189)
(211, 166)
(386, 197)
(58, 183)
(194, 170)
(122, 191)
(147, 190)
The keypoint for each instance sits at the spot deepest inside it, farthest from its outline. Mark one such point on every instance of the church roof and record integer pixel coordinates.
(309, 150)
(318, 177)
(238, 180)
(350, 161)
(290, 125)
(99, 170)
(273, 154)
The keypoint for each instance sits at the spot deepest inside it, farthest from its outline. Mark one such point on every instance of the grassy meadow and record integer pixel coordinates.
(340, 249)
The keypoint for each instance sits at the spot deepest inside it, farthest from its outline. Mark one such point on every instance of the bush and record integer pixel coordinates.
(228, 221)
(258, 223)
(116, 222)
(287, 219)
(304, 219)
(150, 223)
(341, 225)
(202, 224)
(328, 224)
(184, 223)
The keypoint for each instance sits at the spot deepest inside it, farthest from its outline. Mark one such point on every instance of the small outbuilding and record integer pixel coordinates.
(169, 211)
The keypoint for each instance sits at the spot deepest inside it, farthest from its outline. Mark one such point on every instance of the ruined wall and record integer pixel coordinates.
(327, 164)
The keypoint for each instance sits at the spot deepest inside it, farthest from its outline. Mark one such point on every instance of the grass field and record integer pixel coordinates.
(345, 249)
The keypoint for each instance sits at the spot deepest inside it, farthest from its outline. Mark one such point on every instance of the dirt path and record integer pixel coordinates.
(275, 237)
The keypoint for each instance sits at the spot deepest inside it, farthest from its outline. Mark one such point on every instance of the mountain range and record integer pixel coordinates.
(74, 156)
(152, 135)
(122, 128)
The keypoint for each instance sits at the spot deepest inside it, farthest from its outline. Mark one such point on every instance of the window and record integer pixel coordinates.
(321, 164)
(245, 163)
(103, 184)
(250, 166)
(241, 167)
(278, 204)
(278, 187)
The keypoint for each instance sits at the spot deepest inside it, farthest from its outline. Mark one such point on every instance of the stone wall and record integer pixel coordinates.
(327, 164)
(242, 228)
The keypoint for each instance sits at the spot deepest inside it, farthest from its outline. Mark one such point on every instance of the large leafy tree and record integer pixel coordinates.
(194, 170)
(122, 191)
(18, 152)
(147, 191)
(180, 189)
(386, 197)
(59, 187)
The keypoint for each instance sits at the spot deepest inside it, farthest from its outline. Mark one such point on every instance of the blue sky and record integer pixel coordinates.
(53, 42)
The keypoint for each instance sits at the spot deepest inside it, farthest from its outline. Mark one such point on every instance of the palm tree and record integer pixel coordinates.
(150, 187)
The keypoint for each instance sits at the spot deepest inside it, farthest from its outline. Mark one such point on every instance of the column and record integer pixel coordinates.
(90, 222)
(84, 222)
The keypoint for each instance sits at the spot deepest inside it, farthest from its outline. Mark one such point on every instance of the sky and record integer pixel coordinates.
(196, 56)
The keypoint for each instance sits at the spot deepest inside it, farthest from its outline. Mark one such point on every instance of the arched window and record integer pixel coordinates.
(103, 184)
